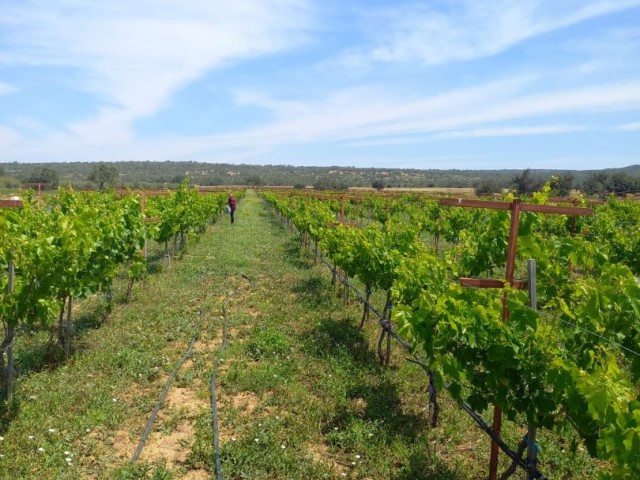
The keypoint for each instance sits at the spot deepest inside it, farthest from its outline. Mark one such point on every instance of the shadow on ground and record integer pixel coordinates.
(314, 291)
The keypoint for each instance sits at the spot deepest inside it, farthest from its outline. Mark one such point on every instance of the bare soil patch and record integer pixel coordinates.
(245, 401)
(320, 454)
(185, 398)
(173, 447)
(196, 475)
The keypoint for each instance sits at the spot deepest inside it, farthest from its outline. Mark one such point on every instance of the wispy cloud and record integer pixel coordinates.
(467, 29)
(6, 89)
(404, 78)
(629, 126)
(511, 131)
(500, 131)
(373, 113)
(9, 138)
(134, 57)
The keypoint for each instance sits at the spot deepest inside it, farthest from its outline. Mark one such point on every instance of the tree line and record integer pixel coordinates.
(171, 174)
(596, 183)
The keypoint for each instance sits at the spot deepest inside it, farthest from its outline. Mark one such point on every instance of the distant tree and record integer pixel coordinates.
(562, 184)
(178, 179)
(525, 183)
(254, 181)
(486, 186)
(104, 175)
(211, 181)
(622, 183)
(378, 184)
(596, 183)
(10, 182)
(299, 186)
(326, 183)
(45, 175)
(1, 171)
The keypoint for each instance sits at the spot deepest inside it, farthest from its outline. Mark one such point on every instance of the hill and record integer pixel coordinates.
(160, 174)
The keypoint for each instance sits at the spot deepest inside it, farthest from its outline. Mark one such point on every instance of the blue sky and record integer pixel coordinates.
(424, 84)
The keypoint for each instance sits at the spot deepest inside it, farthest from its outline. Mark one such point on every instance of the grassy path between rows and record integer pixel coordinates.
(300, 392)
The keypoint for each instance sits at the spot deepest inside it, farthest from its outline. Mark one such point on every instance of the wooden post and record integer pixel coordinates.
(533, 303)
(516, 207)
(68, 331)
(509, 269)
(343, 202)
(10, 335)
(143, 207)
(7, 344)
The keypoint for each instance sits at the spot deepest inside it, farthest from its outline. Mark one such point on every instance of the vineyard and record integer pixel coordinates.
(569, 357)
(73, 245)
(551, 345)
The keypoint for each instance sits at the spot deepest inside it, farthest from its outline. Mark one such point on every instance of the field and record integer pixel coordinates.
(465, 192)
(300, 391)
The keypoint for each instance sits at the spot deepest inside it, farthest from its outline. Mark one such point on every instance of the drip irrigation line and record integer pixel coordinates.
(386, 325)
(214, 395)
(165, 391)
(530, 469)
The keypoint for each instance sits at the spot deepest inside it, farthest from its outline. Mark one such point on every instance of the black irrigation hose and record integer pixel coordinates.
(165, 391)
(214, 396)
(387, 326)
(530, 469)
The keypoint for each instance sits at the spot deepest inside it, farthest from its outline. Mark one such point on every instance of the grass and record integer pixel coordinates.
(300, 392)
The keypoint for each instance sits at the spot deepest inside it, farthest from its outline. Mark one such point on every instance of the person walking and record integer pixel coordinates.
(232, 205)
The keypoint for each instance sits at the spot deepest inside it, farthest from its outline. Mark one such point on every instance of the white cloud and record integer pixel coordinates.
(8, 138)
(136, 55)
(629, 126)
(22, 122)
(367, 114)
(370, 113)
(510, 131)
(6, 89)
(258, 99)
(468, 29)
(133, 57)
(499, 131)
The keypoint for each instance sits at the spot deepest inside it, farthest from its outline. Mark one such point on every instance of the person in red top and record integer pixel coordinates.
(232, 205)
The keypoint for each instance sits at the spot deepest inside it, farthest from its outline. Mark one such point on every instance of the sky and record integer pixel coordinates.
(468, 84)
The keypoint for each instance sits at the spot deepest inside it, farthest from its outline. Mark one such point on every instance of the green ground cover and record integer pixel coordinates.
(301, 394)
